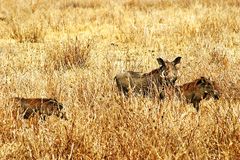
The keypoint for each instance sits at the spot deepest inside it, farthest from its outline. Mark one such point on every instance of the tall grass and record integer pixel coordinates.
(68, 54)
(113, 36)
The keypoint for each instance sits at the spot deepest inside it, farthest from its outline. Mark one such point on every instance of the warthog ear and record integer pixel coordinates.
(161, 62)
(201, 81)
(176, 60)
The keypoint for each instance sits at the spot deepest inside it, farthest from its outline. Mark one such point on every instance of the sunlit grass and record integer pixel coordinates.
(71, 51)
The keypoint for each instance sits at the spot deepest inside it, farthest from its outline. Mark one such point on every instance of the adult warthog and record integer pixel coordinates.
(152, 83)
(197, 90)
(28, 107)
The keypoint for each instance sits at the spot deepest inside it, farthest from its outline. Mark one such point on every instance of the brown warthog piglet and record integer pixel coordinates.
(199, 89)
(28, 107)
(151, 83)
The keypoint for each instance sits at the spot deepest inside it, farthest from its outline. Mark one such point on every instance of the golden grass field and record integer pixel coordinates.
(71, 51)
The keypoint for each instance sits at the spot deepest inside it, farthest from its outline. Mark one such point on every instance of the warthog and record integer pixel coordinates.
(28, 107)
(199, 89)
(151, 83)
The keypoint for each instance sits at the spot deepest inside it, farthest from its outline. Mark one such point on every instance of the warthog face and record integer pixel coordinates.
(28, 107)
(168, 70)
(149, 83)
(214, 92)
(199, 89)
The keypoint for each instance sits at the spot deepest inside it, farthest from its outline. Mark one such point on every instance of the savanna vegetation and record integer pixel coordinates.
(72, 50)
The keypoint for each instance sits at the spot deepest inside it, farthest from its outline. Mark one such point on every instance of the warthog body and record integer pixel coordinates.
(198, 90)
(28, 107)
(151, 83)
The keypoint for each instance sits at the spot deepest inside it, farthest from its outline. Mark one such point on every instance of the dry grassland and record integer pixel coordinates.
(71, 51)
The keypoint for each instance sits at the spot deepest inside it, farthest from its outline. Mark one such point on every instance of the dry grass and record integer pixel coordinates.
(113, 36)
(26, 31)
(69, 54)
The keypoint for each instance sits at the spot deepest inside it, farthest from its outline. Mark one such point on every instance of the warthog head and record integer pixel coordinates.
(202, 88)
(168, 70)
(208, 88)
(54, 108)
(146, 83)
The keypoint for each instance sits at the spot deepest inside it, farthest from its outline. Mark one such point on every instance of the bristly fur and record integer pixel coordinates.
(152, 83)
(28, 107)
(197, 90)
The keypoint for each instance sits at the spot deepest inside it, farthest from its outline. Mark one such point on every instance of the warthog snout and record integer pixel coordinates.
(63, 115)
(216, 91)
(151, 83)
